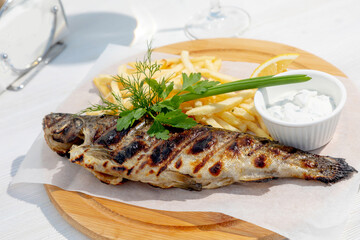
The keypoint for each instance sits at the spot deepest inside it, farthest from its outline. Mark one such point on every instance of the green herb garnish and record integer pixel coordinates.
(150, 97)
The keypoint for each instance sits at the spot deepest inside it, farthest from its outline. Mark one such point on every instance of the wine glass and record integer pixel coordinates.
(218, 22)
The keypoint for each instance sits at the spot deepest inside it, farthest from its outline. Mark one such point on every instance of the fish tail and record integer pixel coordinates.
(331, 170)
(338, 170)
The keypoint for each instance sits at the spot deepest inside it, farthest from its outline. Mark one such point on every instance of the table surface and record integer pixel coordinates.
(329, 29)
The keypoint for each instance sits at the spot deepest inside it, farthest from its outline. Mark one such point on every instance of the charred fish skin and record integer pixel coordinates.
(198, 158)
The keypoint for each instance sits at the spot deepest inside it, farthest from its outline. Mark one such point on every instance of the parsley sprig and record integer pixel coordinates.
(164, 112)
(150, 97)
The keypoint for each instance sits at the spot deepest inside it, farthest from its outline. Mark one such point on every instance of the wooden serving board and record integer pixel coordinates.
(101, 218)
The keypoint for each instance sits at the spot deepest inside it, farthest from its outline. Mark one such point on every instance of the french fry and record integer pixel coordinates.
(250, 108)
(212, 122)
(186, 106)
(102, 84)
(95, 113)
(200, 119)
(217, 64)
(224, 124)
(220, 106)
(177, 82)
(132, 64)
(203, 59)
(223, 78)
(256, 130)
(167, 74)
(115, 88)
(122, 70)
(209, 65)
(127, 103)
(177, 68)
(186, 61)
(234, 121)
(250, 101)
(242, 113)
(168, 62)
(198, 65)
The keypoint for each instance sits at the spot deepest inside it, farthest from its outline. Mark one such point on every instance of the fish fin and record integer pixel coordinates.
(108, 179)
(179, 180)
(92, 158)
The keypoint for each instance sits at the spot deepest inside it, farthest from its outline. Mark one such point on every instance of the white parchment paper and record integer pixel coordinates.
(294, 208)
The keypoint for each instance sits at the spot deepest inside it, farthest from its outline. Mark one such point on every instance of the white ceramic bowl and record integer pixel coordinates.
(310, 135)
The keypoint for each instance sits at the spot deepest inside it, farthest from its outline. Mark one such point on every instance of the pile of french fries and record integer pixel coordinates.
(233, 111)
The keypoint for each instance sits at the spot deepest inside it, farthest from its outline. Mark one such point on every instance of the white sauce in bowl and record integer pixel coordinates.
(302, 106)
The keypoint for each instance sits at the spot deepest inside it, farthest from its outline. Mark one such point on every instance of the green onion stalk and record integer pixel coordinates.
(250, 83)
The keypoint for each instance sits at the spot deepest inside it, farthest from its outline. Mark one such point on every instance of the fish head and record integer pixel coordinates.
(62, 131)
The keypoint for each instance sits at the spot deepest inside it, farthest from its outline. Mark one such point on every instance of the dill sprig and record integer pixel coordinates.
(137, 84)
(107, 106)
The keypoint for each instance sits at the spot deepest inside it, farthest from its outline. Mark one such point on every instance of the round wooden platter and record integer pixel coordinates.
(100, 218)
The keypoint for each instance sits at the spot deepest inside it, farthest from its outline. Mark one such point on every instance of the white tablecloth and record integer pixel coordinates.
(327, 28)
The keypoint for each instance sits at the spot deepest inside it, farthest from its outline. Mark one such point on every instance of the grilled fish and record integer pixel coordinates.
(198, 158)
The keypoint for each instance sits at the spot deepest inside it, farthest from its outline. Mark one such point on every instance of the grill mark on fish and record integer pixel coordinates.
(215, 169)
(211, 153)
(176, 141)
(275, 151)
(142, 165)
(202, 144)
(245, 140)
(260, 161)
(180, 141)
(129, 171)
(178, 163)
(140, 135)
(233, 148)
(102, 130)
(119, 169)
(129, 151)
(90, 166)
(256, 149)
(163, 168)
(161, 153)
(112, 137)
(79, 159)
(203, 162)
(240, 141)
